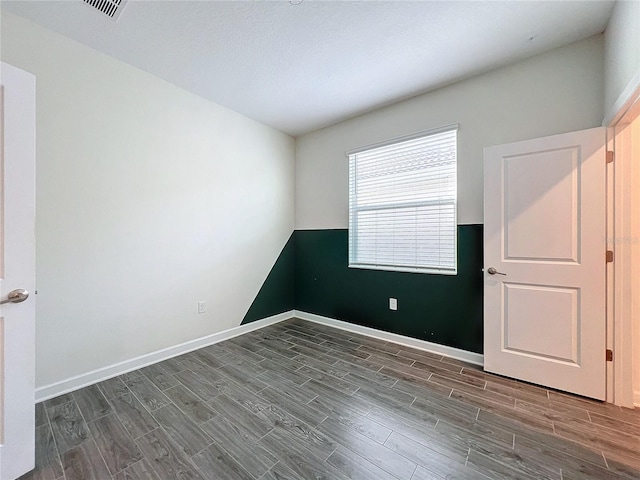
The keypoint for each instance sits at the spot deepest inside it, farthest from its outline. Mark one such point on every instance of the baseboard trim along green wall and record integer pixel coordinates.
(440, 309)
(451, 352)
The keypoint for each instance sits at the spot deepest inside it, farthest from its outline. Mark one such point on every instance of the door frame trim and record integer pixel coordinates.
(622, 233)
(623, 103)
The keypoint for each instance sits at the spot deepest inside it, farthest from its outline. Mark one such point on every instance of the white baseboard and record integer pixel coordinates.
(636, 398)
(95, 376)
(464, 355)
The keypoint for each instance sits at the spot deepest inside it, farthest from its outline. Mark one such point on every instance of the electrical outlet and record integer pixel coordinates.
(202, 306)
(393, 304)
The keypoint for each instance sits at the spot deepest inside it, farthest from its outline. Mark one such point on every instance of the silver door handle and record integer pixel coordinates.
(493, 271)
(16, 296)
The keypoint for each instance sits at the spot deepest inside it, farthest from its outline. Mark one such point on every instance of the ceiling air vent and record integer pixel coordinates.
(111, 8)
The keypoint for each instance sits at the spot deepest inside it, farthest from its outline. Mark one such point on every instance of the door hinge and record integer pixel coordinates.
(610, 156)
(609, 355)
(609, 256)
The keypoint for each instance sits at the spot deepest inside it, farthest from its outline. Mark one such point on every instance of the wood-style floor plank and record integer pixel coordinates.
(570, 465)
(48, 466)
(335, 382)
(59, 400)
(304, 434)
(166, 459)
(244, 376)
(374, 452)
(453, 471)
(134, 417)
(432, 440)
(417, 386)
(298, 409)
(324, 365)
(244, 355)
(435, 461)
(207, 359)
(198, 384)
(549, 445)
(182, 429)
(244, 398)
(495, 468)
(138, 471)
(531, 466)
(404, 421)
(84, 462)
(160, 376)
(613, 424)
(215, 463)
(474, 434)
(603, 439)
(304, 463)
(278, 346)
(150, 395)
(255, 426)
(116, 446)
(626, 468)
(92, 403)
(280, 472)
(41, 415)
(113, 387)
(68, 426)
(190, 404)
(189, 361)
(361, 424)
(356, 467)
(349, 402)
(253, 457)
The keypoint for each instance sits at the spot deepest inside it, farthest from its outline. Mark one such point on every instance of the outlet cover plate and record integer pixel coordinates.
(202, 307)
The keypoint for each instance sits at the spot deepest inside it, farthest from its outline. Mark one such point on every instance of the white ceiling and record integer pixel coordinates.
(299, 67)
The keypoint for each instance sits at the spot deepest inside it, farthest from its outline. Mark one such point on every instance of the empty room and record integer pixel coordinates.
(307, 239)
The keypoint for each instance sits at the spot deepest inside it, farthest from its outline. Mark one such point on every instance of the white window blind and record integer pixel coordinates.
(402, 204)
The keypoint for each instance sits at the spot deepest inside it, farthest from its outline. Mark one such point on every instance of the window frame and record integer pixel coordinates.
(353, 210)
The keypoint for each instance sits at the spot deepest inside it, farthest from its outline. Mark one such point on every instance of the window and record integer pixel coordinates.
(402, 204)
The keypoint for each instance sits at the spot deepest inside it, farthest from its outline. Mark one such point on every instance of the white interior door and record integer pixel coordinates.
(545, 236)
(17, 271)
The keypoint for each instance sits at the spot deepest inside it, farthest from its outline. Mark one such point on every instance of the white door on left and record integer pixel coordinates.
(17, 271)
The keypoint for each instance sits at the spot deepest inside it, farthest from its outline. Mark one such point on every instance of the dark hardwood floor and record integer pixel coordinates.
(298, 400)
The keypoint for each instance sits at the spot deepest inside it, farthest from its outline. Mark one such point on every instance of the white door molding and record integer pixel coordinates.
(625, 101)
(624, 240)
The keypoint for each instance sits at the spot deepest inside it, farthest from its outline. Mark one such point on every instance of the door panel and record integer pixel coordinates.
(527, 305)
(545, 236)
(17, 271)
(548, 203)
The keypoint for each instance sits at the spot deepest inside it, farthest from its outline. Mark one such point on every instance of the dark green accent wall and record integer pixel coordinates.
(445, 309)
(277, 293)
(311, 275)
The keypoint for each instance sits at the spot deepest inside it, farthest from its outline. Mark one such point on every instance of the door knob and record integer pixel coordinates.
(493, 271)
(16, 296)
